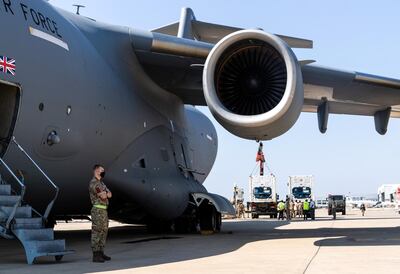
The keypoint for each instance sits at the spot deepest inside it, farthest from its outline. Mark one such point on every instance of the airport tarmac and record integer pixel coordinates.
(350, 244)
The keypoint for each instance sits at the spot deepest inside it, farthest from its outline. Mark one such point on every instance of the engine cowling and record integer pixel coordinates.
(253, 85)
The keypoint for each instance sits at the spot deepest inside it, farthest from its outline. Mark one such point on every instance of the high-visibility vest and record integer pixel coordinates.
(281, 206)
(306, 206)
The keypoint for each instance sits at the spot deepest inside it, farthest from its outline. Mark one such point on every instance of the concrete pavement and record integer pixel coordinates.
(350, 244)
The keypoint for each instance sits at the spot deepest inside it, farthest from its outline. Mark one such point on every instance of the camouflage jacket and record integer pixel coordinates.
(95, 187)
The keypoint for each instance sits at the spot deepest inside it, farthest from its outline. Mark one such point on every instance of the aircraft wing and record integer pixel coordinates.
(349, 92)
(212, 33)
(174, 56)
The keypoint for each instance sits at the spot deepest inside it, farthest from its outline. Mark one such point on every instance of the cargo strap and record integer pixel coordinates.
(100, 206)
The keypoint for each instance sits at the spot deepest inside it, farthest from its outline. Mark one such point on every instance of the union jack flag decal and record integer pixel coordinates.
(7, 65)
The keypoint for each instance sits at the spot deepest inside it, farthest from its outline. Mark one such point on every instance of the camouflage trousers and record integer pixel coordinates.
(99, 228)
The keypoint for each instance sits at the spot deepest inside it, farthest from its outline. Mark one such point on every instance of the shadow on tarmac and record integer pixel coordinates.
(132, 247)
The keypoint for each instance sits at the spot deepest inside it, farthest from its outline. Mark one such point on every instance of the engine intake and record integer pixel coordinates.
(253, 84)
(250, 77)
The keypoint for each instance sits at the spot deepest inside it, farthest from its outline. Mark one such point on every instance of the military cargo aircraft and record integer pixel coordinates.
(75, 92)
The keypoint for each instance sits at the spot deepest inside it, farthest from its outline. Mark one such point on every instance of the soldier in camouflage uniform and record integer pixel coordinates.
(99, 195)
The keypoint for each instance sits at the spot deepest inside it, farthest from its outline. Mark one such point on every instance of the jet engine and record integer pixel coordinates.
(253, 84)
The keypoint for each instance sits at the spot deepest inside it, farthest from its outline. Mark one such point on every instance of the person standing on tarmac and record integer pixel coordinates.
(300, 209)
(334, 210)
(241, 210)
(292, 209)
(312, 209)
(362, 208)
(306, 209)
(287, 208)
(281, 209)
(99, 195)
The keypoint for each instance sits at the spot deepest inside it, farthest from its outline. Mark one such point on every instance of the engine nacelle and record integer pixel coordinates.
(253, 85)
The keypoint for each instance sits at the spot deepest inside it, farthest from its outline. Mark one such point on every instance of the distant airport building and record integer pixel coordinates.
(387, 193)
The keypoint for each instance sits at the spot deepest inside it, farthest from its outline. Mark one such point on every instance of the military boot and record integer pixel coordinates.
(105, 257)
(98, 257)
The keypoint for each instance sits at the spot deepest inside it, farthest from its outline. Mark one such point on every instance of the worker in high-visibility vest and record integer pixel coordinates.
(281, 209)
(306, 209)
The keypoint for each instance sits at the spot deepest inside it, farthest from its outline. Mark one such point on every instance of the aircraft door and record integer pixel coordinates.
(9, 105)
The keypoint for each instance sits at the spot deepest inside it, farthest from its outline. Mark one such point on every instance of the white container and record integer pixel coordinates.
(301, 187)
(262, 189)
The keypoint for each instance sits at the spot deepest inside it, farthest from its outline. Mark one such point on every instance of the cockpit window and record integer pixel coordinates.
(262, 192)
(301, 192)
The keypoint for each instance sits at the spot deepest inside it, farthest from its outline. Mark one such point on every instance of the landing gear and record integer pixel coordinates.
(185, 225)
(210, 219)
(58, 258)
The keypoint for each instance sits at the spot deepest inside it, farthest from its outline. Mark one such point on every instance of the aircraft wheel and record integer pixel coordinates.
(210, 219)
(219, 222)
(185, 225)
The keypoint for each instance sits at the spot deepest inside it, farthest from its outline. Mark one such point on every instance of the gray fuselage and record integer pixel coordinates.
(93, 93)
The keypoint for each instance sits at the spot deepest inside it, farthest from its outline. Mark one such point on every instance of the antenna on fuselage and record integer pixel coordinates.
(78, 7)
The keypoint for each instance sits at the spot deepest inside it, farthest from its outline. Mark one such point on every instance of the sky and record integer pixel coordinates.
(351, 158)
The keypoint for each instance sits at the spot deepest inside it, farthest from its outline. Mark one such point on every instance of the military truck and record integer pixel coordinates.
(263, 197)
(340, 202)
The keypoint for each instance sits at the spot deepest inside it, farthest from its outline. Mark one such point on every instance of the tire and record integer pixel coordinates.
(219, 222)
(344, 212)
(210, 219)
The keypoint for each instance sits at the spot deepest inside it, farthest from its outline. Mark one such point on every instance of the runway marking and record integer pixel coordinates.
(48, 37)
(316, 253)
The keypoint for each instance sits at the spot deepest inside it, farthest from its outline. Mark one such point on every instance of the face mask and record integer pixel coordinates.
(102, 174)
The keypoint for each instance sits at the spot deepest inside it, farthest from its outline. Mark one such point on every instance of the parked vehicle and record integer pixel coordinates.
(336, 203)
(263, 197)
